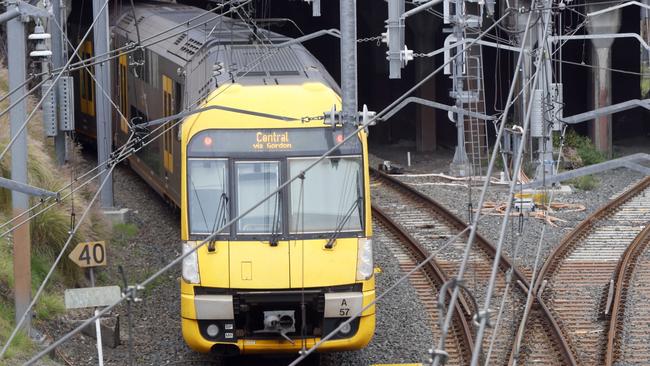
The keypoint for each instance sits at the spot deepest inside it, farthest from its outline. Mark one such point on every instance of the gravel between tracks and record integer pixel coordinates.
(401, 334)
(455, 198)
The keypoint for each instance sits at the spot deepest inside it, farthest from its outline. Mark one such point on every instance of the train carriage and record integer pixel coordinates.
(299, 264)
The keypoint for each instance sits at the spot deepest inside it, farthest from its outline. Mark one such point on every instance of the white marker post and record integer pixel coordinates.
(98, 332)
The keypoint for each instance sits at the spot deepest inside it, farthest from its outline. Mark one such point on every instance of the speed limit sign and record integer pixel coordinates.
(90, 254)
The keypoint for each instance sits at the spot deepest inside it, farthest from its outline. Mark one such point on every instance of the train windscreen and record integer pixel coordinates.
(330, 198)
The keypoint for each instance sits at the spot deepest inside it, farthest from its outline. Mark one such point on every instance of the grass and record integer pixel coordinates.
(49, 232)
(122, 233)
(585, 183)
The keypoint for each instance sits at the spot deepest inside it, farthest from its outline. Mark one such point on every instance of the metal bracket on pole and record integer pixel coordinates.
(24, 10)
(616, 7)
(27, 189)
(602, 36)
(630, 161)
(614, 108)
(323, 32)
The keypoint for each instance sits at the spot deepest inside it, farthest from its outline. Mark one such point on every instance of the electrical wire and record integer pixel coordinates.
(474, 225)
(132, 291)
(127, 49)
(499, 247)
(56, 79)
(53, 267)
(597, 67)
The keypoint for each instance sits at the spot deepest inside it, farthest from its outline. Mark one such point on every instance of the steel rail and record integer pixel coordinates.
(454, 220)
(626, 267)
(582, 229)
(434, 274)
(504, 262)
(572, 240)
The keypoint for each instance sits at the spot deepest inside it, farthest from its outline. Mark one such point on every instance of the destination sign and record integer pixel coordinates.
(256, 142)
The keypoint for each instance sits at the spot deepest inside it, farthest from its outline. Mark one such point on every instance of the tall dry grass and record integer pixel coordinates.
(49, 230)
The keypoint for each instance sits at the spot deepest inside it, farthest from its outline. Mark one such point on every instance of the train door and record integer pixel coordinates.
(168, 136)
(124, 100)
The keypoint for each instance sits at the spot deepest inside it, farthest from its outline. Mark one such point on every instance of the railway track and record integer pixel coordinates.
(427, 282)
(627, 336)
(431, 226)
(577, 280)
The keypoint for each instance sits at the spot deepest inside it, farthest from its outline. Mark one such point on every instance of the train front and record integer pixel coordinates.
(299, 264)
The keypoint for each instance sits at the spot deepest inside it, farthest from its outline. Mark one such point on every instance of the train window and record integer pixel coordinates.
(86, 83)
(329, 198)
(207, 195)
(256, 180)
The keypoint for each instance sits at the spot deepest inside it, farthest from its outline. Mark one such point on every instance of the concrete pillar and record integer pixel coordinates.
(600, 130)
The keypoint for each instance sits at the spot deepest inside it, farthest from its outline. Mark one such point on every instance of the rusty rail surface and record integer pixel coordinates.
(576, 279)
(563, 352)
(624, 286)
(436, 278)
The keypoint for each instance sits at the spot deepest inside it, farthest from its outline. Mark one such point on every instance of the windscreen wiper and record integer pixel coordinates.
(276, 222)
(356, 204)
(220, 218)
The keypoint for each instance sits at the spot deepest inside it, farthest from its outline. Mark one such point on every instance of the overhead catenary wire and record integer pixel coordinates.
(524, 86)
(158, 37)
(127, 148)
(114, 160)
(52, 268)
(483, 319)
(120, 157)
(56, 79)
(253, 207)
(474, 225)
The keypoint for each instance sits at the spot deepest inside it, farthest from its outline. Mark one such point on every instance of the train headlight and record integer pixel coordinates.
(365, 263)
(212, 330)
(190, 265)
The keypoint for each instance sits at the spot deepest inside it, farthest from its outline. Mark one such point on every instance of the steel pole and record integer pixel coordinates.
(22, 251)
(57, 63)
(348, 9)
(103, 111)
(459, 165)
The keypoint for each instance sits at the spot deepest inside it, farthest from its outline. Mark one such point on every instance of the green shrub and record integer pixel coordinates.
(583, 145)
(585, 183)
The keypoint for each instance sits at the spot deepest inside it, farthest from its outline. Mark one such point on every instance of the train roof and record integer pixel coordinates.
(183, 34)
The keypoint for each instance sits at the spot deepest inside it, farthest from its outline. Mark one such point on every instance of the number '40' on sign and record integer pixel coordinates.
(90, 254)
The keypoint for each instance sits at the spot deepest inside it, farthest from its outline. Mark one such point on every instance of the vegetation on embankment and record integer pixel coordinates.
(579, 151)
(48, 230)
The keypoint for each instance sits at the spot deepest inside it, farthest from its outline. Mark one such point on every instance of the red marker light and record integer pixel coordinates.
(207, 141)
(339, 139)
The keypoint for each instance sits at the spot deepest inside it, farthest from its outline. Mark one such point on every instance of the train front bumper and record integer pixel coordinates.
(237, 326)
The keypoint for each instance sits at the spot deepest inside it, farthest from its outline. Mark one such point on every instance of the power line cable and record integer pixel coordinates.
(49, 90)
(132, 291)
(53, 267)
(445, 328)
(483, 317)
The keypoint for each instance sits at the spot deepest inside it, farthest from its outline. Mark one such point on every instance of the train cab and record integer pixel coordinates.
(294, 267)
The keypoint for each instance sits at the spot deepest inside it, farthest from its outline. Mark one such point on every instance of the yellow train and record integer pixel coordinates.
(300, 264)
